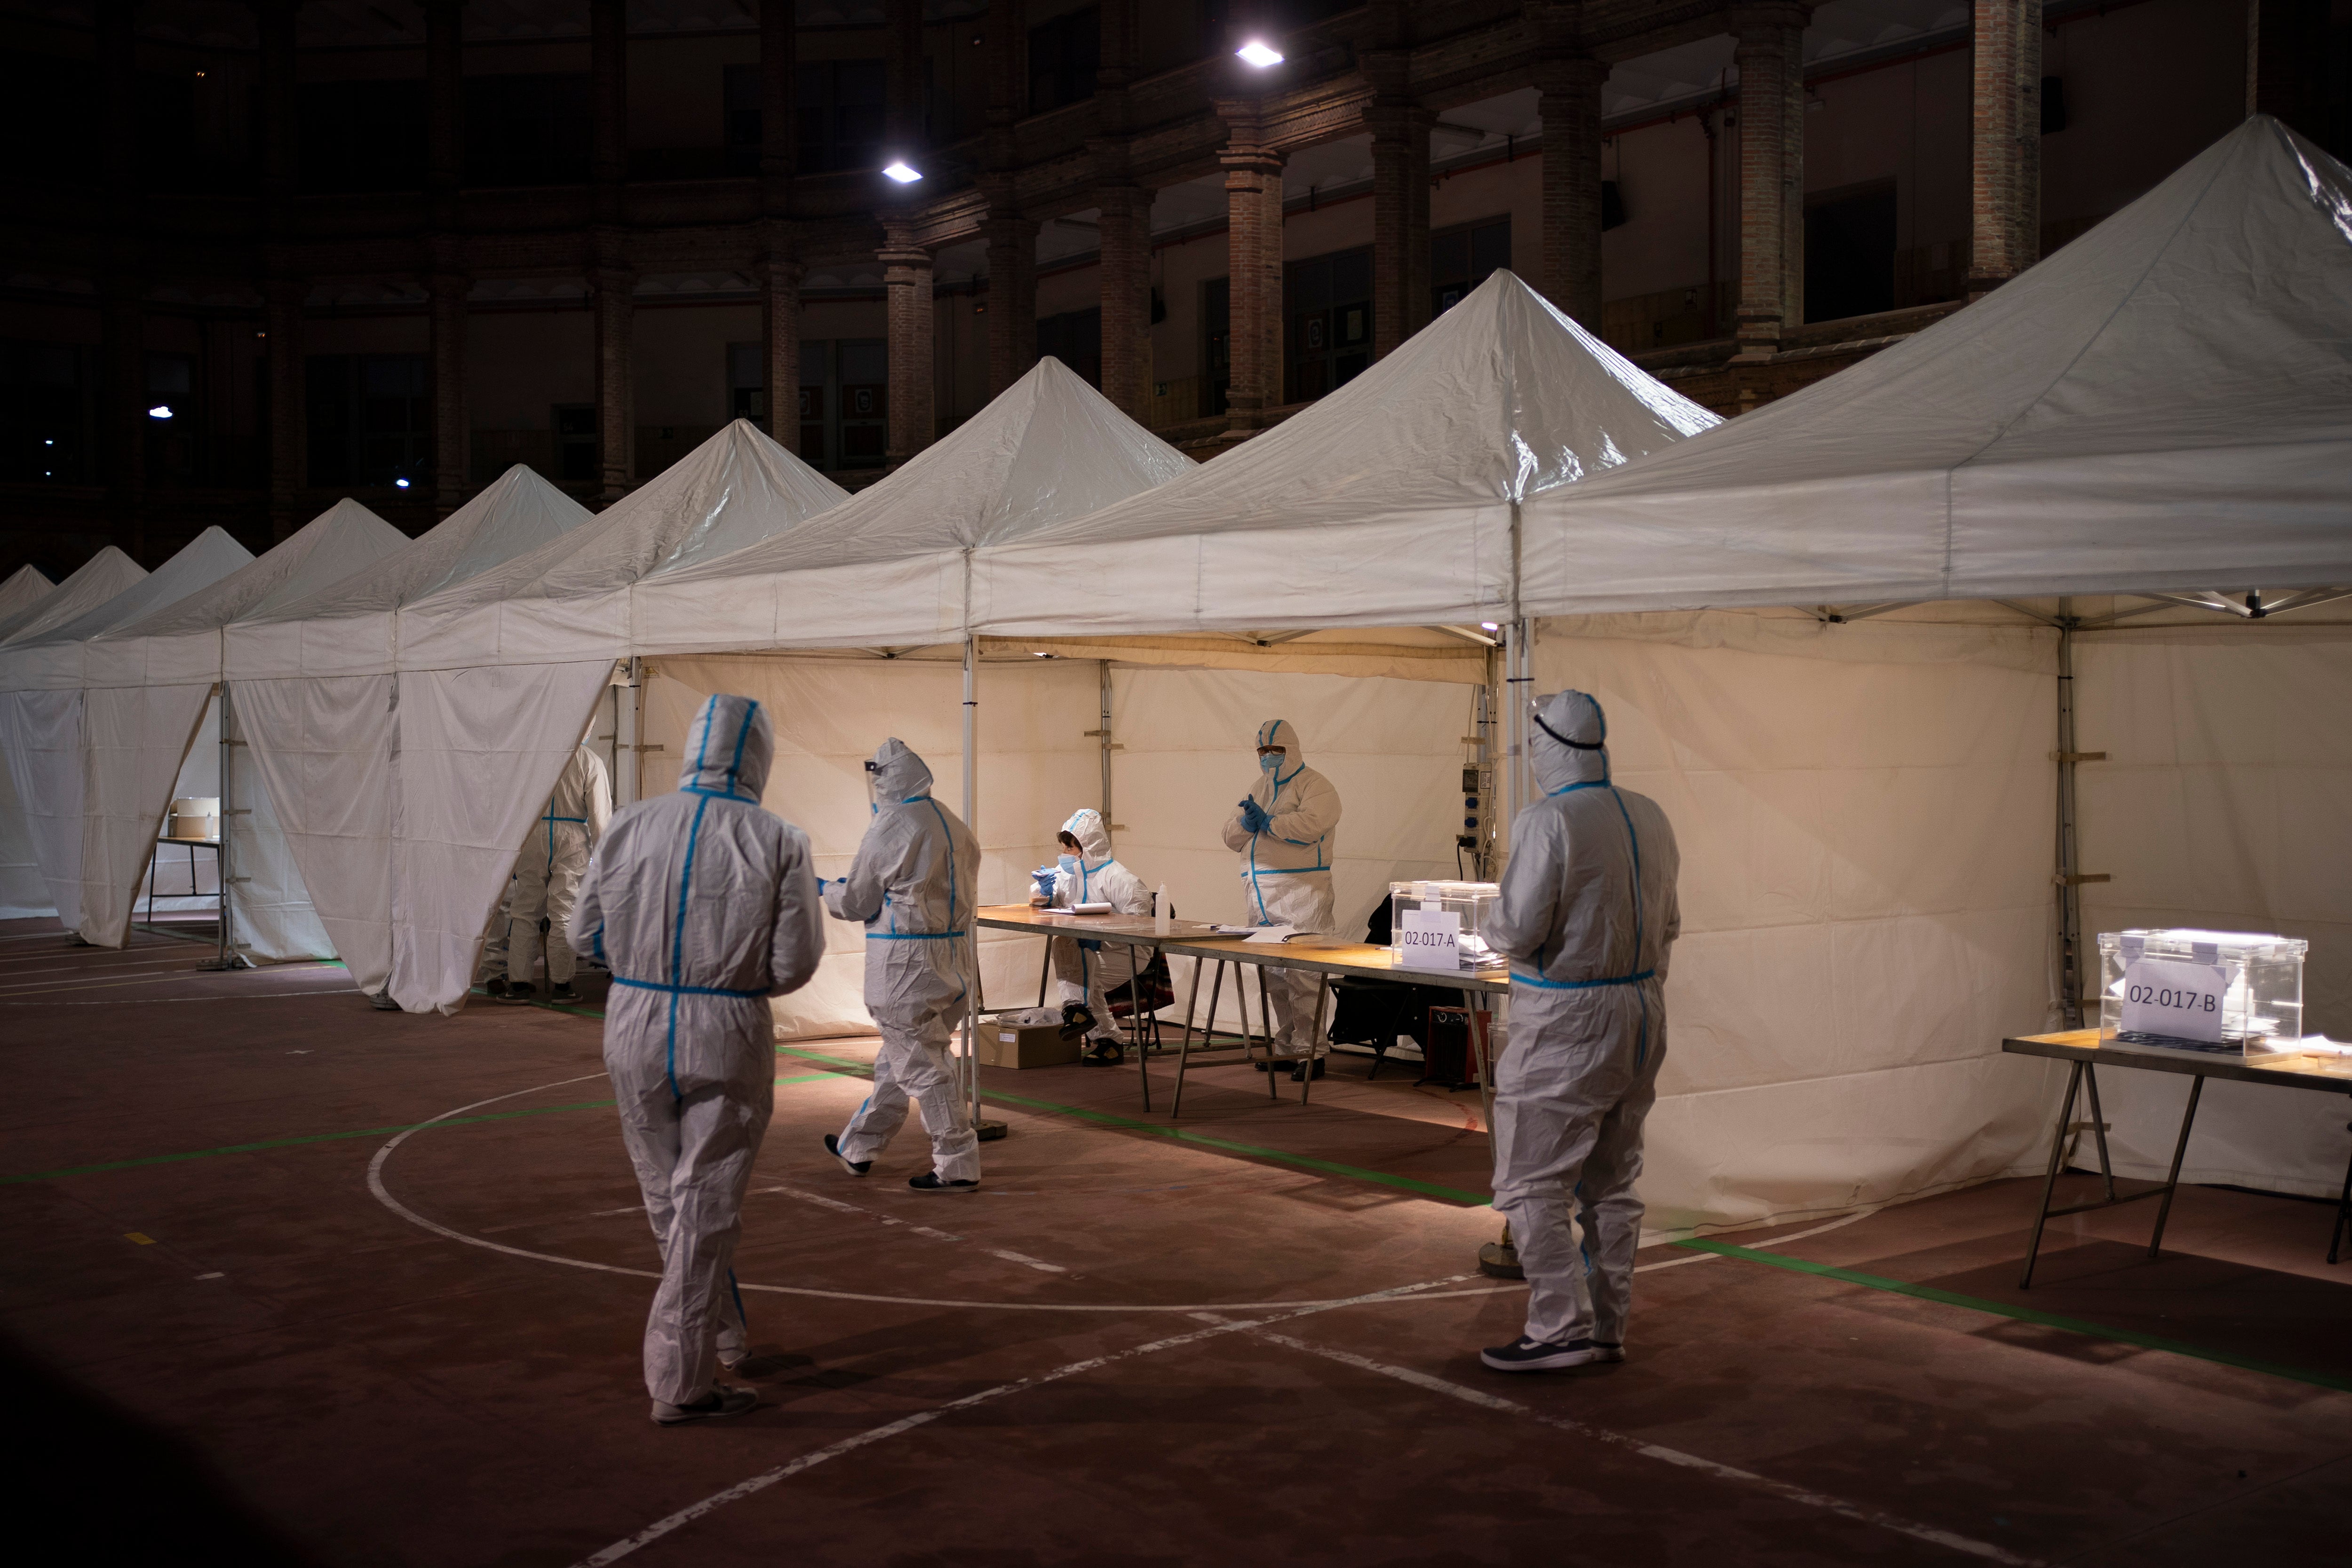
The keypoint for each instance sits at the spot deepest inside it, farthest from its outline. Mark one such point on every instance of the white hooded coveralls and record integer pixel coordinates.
(1090, 970)
(546, 871)
(1287, 876)
(911, 886)
(1587, 918)
(704, 905)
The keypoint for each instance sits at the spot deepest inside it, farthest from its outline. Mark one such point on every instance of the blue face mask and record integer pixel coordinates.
(1068, 863)
(1270, 761)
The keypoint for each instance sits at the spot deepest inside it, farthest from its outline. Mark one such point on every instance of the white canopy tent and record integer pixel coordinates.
(313, 683)
(26, 587)
(21, 894)
(98, 580)
(42, 706)
(497, 675)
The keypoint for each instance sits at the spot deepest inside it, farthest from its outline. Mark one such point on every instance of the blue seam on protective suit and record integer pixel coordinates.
(740, 1315)
(677, 944)
(553, 818)
(1544, 985)
(909, 936)
(682, 991)
(1289, 869)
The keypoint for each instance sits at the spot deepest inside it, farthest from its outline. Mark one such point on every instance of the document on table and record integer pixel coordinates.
(1271, 934)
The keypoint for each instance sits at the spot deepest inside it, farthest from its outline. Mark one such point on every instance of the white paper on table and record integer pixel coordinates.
(1099, 908)
(1272, 933)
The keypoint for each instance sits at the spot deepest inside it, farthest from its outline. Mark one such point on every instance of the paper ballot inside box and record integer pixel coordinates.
(1430, 938)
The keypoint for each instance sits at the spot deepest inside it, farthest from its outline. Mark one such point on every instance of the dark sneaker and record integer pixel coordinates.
(563, 993)
(929, 1182)
(719, 1402)
(1608, 1353)
(494, 987)
(519, 991)
(1525, 1354)
(1298, 1073)
(1077, 1020)
(382, 1002)
(854, 1167)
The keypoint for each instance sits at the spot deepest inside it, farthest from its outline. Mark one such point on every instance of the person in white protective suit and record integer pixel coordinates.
(704, 905)
(911, 886)
(1587, 918)
(1088, 970)
(547, 878)
(1283, 833)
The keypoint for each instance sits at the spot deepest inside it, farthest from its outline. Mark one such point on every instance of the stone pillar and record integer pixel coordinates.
(1399, 223)
(610, 280)
(2005, 186)
(1571, 186)
(780, 338)
(1012, 300)
(1771, 176)
(1253, 279)
(1127, 298)
(283, 289)
(906, 278)
(2286, 63)
(453, 463)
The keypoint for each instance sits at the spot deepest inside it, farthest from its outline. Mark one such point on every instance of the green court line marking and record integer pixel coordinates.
(1184, 1134)
(2021, 1314)
(337, 1138)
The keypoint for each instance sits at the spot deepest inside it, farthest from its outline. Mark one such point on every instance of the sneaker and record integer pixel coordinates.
(929, 1182)
(1299, 1074)
(494, 987)
(854, 1167)
(382, 1002)
(721, 1401)
(519, 991)
(563, 993)
(1608, 1354)
(1525, 1354)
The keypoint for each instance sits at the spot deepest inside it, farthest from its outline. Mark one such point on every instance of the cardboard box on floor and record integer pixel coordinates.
(1024, 1045)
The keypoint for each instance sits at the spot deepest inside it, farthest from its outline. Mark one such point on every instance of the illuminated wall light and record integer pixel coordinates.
(898, 169)
(1490, 626)
(1258, 53)
(400, 484)
(160, 411)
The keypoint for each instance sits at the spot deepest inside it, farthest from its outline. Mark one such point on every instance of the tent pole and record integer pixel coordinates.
(986, 1130)
(1108, 819)
(224, 859)
(2070, 890)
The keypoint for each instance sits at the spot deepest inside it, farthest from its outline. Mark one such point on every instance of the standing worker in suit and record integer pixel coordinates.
(547, 878)
(1285, 832)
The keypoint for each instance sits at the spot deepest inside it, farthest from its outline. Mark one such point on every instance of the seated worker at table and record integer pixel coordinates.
(1589, 918)
(1088, 970)
(1283, 833)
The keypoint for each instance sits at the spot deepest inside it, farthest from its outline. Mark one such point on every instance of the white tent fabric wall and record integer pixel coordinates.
(314, 686)
(1864, 813)
(22, 895)
(26, 587)
(40, 735)
(98, 580)
(2220, 805)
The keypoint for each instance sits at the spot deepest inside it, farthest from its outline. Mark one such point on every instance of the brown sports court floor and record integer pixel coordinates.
(292, 1280)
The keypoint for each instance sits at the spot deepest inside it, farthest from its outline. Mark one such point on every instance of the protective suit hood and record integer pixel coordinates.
(898, 773)
(1568, 716)
(1085, 825)
(1281, 732)
(728, 748)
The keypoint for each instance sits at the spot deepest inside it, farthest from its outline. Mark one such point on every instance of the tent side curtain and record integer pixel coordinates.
(40, 733)
(479, 751)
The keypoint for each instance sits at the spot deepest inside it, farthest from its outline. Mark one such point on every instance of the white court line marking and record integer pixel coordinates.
(766, 1478)
(172, 1001)
(818, 1198)
(1761, 1246)
(384, 1195)
(191, 972)
(1781, 1489)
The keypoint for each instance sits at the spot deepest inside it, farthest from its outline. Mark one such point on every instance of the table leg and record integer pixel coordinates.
(1208, 1032)
(1482, 1051)
(2172, 1177)
(1135, 1016)
(1265, 1015)
(2343, 1211)
(1322, 989)
(2050, 1180)
(1044, 971)
(2099, 1131)
(151, 862)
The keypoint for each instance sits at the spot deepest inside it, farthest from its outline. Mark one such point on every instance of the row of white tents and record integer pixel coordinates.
(1826, 635)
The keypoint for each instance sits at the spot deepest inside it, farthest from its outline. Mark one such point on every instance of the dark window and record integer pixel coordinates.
(844, 402)
(1063, 55)
(48, 414)
(743, 121)
(1216, 345)
(2054, 105)
(1075, 338)
(371, 420)
(1850, 253)
(362, 135)
(1461, 258)
(1327, 304)
(841, 106)
(527, 130)
(575, 442)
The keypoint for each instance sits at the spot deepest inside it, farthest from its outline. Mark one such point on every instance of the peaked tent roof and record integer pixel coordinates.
(182, 642)
(1388, 502)
(56, 658)
(98, 580)
(569, 599)
(346, 627)
(887, 565)
(26, 587)
(2164, 403)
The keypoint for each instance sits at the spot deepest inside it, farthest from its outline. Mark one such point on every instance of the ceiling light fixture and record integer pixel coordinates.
(1258, 53)
(160, 411)
(898, 169)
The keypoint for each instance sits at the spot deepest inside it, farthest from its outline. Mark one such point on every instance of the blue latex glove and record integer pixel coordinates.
(1253, 816)
(1043, 877)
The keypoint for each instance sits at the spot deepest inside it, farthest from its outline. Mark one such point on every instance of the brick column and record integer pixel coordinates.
(1771, 176)
(779, 337)
(1399, 223)
(2005, 186)
(283, 289)
(1571, 186)
(611, 281)
(907, 276)
(1253, 279)
(1127, 298)
(1011, 300)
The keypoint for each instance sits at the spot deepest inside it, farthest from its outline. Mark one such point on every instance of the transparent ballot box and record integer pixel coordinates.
(1442, 924)
(2222, 992)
